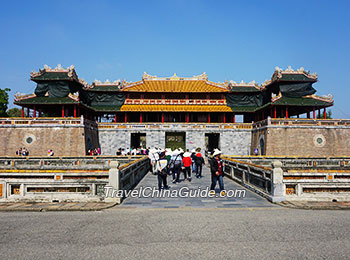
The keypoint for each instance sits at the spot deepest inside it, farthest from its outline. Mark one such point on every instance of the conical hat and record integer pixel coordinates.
(216, 152)
(187, 154)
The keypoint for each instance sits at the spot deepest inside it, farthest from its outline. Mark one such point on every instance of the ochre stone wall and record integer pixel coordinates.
(65, 141)
(302, 141)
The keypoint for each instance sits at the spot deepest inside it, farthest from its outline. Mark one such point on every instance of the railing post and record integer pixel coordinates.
(113, 183)
(277, 186)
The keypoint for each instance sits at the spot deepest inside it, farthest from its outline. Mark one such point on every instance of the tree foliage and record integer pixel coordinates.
(328, 115)
(4, 101)
(15, 112)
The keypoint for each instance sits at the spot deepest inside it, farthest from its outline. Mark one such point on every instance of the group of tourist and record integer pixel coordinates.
(132, 151)
(96, 151)
(22, 152)
(166, 162)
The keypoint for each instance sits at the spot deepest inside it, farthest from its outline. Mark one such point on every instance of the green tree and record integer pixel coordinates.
(4, 101)
(328, 115)
(15, 112)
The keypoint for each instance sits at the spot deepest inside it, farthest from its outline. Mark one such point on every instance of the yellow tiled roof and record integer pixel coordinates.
(175, 108)
(175, 86)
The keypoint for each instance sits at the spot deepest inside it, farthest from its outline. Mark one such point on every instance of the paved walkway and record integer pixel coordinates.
(250, 200)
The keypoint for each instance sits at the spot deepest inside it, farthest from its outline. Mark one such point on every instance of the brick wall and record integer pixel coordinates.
(304, 141)
(65, 141)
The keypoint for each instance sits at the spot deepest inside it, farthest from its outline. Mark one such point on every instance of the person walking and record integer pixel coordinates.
(175, 165)
(162, 171)
(187, 162)
(217, 172)
(199, 161)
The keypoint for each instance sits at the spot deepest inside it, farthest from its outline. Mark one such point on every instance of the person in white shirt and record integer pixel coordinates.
(162, 171)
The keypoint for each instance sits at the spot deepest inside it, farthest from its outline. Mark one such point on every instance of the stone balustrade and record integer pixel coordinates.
(177, 125)
(67, 179)
(304, 178)
(266, 181)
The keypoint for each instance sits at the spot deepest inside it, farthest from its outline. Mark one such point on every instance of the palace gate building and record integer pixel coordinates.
(161, 112)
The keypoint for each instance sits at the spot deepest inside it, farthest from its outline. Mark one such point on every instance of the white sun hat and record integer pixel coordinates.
(187, 154)
(180, 150)
(176, 152)
(216, 152)
(193, 150)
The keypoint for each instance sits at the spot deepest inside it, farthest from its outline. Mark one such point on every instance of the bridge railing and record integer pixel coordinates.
(67, 163)
(302, 178)
(266, 181)
(67, 179)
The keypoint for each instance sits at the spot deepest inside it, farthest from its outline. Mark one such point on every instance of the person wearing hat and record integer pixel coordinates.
(199, 161)
(162, 171)
(217, 172)
(175, 165)
(187, 161)
(154, 157)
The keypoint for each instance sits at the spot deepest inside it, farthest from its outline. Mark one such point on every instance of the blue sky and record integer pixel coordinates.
(229, 40)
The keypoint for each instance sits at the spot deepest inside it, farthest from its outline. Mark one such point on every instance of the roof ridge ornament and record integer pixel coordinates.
(202, 76)
(289, 70)
(59, 68)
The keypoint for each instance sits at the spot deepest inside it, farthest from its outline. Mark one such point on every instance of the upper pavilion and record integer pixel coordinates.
(60, 92)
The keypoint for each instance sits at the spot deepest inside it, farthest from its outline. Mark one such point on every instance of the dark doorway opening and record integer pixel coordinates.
(175, 140)
(212, 141)
(138, 140)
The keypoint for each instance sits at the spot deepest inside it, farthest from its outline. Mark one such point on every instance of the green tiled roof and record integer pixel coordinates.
(52, 76)
(104, 88)
(46, 100)
(244, 109)
(105, 108)
(303, 101)
(244, 89)
(296, 77)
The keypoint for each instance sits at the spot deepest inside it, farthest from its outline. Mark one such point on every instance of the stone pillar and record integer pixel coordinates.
(113, 183)
(277, 186)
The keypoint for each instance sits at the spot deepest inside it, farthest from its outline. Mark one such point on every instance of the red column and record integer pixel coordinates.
(314, 113)
(126, 117)
(62, 110)
(324, 113)
(275, 112)
(208, 117)
(187, 117)
(286, 112)
(224, 117)
(34, 112)
(115, 118)
(162, 117)
(140, 117)
(233, 118)
(75, 110)
(22, 113)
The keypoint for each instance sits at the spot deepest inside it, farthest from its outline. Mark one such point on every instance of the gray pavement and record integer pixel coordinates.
(249, 200)
(187, 233)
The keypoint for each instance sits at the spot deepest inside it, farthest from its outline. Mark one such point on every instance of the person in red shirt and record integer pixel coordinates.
(217, 172)
(187, 162)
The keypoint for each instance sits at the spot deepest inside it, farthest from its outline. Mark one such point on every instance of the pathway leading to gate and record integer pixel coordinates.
(250, 200)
